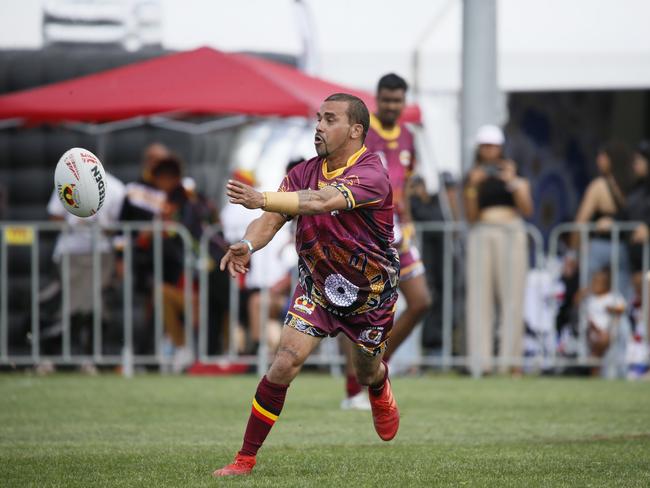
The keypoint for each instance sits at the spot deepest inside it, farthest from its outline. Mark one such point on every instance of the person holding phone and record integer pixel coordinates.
(496, 200)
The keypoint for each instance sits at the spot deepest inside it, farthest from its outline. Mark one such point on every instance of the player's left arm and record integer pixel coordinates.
(301, 202)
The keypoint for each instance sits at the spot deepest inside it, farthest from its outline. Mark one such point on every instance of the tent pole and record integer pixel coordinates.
(480, 95)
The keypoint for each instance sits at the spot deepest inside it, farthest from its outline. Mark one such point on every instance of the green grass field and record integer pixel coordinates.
(70, 430)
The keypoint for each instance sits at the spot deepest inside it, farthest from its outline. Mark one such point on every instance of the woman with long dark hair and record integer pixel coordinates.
(603, 201)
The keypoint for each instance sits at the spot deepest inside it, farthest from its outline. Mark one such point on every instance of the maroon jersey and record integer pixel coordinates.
(396, 149)
(346, 260)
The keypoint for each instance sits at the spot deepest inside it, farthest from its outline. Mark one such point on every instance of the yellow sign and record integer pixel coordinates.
(19, 236)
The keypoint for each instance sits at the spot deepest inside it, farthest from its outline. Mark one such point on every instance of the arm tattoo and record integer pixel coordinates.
(305, 196)
(307, 199)
(312, 201)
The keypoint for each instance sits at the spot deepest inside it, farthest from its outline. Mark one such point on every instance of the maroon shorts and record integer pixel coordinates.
(369, 330)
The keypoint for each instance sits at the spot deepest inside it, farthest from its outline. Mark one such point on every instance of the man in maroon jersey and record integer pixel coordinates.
(348, 268)
(394, 144)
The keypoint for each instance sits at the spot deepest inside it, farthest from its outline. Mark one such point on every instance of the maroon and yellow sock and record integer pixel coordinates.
(267, 405)
(352, 386)
(377, 388)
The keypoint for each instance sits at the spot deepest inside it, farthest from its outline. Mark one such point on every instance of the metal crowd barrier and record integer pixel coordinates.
(453, 236)
(31, 232)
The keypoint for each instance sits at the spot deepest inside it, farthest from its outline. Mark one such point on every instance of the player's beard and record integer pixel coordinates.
(321, 149)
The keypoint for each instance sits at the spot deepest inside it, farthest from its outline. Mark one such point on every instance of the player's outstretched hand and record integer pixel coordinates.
(241, 194)
(236, 259)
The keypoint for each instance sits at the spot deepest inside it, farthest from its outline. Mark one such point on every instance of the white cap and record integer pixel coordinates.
(490, 134)
(189, 184)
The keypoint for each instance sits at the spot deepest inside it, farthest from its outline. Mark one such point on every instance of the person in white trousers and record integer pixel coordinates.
(496, 202)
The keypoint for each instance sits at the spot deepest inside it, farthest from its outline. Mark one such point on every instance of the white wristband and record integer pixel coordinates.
(249, 244)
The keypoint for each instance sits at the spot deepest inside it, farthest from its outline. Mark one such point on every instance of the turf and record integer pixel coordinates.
(70, 430)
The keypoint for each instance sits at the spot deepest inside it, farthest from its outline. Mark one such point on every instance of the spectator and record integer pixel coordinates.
(566, 320)
(166, 176)
(143, 203)
(496, 199)
(144, 200)
(426, 208)
(602, 202)
(637, 209)
(603, 309)
(218, 299)
(268, 267)
(153, 153)
(78, 244)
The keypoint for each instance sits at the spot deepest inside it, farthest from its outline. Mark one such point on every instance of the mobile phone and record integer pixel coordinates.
(492, 170)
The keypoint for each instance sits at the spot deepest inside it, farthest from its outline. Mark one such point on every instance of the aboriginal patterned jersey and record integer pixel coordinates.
(346, 261)
(396, 149)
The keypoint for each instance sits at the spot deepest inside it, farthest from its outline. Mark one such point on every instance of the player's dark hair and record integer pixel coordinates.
(391, 81)
(357, 111)
(168, 166)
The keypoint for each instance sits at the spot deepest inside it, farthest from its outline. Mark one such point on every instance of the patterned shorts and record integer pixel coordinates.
(369, 330)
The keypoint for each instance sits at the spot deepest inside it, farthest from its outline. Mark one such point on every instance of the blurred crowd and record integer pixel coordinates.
(558, 310)
(510, 308)
(165, 194)
(613, 299)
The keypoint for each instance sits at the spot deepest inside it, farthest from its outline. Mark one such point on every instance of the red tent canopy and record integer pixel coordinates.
(203, 81)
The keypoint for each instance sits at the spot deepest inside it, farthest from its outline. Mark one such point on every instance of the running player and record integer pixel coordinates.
(394, 144)
(348, 269)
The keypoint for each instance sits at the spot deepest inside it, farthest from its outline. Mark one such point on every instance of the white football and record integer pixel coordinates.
(80, 182)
